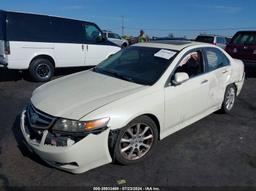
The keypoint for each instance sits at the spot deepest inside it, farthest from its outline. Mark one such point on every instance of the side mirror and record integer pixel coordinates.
(179, 78)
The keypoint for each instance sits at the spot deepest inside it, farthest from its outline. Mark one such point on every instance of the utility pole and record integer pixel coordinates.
(122, 27)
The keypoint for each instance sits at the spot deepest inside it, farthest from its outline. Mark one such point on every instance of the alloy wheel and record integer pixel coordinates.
(136, 141)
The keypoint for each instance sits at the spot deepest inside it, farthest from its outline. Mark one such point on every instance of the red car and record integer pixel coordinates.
(243, 46)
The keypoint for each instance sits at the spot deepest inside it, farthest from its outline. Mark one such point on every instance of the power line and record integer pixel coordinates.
(122, 25)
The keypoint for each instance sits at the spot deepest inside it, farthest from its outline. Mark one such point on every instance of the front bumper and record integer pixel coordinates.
(88, 153)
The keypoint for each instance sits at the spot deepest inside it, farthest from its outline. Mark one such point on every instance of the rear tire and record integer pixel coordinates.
(229, 99)
(41, 70)
(136, 141)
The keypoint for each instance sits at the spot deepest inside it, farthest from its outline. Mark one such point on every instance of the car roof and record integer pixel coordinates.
(211, 35)
(170, 44)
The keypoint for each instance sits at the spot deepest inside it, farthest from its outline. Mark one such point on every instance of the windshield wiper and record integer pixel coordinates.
(120, 76)
(113, 74)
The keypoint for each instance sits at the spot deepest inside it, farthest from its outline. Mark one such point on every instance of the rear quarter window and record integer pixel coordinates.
(28, 27)
(40, 28)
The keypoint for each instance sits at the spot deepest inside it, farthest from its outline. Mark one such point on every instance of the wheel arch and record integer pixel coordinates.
(113, 133)
(156, 121)
(45, 56)
(150, 115)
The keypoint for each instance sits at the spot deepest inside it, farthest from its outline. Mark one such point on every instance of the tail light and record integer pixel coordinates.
(7, 50)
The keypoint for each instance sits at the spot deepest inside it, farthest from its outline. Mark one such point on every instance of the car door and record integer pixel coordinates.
(68, 38)
(95, 49)
(218, 67)
(189, 99)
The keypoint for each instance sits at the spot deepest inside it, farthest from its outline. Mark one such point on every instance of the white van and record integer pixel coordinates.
(42, 43)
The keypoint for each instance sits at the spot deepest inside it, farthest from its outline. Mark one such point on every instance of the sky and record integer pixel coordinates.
(157, 18)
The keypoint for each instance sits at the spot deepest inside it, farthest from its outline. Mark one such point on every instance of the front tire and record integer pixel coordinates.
(41, 70)
(229, 99)
(136, 141)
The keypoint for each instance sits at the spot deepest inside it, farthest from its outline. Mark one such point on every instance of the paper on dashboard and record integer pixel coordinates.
(166, 54)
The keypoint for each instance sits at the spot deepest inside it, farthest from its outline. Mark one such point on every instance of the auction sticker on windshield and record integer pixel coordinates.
(166, 54)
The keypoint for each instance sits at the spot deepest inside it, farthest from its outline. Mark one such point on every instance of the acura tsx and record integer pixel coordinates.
(118, 110)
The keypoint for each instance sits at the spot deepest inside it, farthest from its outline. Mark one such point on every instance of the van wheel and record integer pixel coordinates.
(229, 99)
(136, 141)
(41, 70)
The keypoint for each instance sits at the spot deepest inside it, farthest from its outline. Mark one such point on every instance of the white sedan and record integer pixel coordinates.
(118, 110)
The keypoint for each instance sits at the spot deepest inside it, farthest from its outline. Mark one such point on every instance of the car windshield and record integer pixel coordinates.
(207, 39)
(142, 65)
(245, 39)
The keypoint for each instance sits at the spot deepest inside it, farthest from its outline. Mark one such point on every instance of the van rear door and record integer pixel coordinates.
(2, 38)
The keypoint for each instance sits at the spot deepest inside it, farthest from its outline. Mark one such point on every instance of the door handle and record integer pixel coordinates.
(224, 71)
(204, 81)
(87, 47)
(82, 47)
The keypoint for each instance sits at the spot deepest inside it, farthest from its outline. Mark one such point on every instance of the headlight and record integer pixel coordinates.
(80, 126)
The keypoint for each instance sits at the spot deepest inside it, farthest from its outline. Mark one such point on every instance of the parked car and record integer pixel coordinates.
(168, 38)
(115, 38)
(243, 46)
(42, 43)
(212, 39)
(118, 110)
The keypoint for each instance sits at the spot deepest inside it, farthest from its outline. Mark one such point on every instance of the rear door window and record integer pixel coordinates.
(215, 59)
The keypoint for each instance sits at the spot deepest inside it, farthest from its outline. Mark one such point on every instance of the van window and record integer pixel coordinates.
(67, 31)
(92, 34)
(39, 28)
(28, 27)
(244, 39)
(2, 25)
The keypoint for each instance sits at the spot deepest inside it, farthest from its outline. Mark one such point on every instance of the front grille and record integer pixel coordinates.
(38, 119)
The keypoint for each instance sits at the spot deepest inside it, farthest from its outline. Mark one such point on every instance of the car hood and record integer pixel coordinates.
(77, 95)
